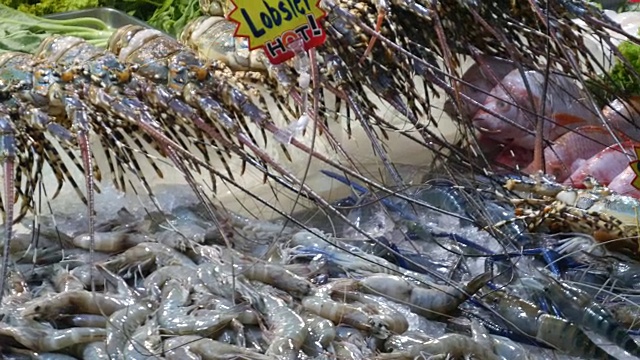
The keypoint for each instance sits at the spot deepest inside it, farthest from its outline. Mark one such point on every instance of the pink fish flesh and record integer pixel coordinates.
(570, 150)
(604, 166)
(564, 108)
(621, 184)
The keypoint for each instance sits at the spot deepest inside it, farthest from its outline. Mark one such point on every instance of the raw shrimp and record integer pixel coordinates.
(43, 339)
(320, 334)
(347, 351)
(175, 318)
(218, 281)
(449, 345)
(554, 331)
(359, 262)
(96, 351)
(402, 343)
(580, 308)
(288, 328)
(123, 323)
(146, 254)
(89, 275)
(196, 347)
(21, 354)
(341, 313)
(64, 281)
(18, 290)
(154, 282)
(145, 343)
(81, 320)
(116, 284)
(277, 276)
(73, 302)
(256, 339)
(393, 320)
(567, 337)
(109, 242)
(628, 315)
(207, 301)
(430, 303)
(76, 257)
(353, 336)
(504, 347)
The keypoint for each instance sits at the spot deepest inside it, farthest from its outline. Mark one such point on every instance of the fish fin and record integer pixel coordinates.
(592, 129)
(599, 129)
(634, 100)
(564, 119)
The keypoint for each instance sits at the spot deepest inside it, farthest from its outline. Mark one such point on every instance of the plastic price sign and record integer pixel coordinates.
(273, 24)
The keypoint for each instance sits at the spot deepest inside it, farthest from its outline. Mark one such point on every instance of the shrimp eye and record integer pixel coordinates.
(502, 105)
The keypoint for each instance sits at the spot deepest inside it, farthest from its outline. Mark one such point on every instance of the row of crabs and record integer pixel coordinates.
(581, 141)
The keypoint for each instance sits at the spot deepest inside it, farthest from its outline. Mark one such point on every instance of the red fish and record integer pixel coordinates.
(478, 80)
(514, 157)
(621, 184)
(624, 116)
(570, 150)
(605, 166)
(564, 109)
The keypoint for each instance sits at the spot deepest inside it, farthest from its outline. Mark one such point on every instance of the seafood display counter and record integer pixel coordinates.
(388, 194)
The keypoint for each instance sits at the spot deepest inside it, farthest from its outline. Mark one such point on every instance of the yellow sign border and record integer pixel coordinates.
(246, 30)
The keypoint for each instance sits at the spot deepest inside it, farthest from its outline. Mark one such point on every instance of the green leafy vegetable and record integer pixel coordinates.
(173, 15)
(46, 7)
(619, 81)
(24, 32)
(621, 76)
(169, 16)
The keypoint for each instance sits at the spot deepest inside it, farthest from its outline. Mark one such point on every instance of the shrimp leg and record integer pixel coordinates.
(383, 8)
(7, 156)
(77, 112)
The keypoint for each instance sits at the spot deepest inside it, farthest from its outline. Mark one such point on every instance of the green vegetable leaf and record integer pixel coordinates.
(173, 15)
(24, 32)
(46, 7)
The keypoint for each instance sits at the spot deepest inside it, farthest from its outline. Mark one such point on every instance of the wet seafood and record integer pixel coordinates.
(429, 302)
(511, 99)
(175, 302)
(578, 307)
(212, 37)
(158, 293)
(610, 218)
(562, 334)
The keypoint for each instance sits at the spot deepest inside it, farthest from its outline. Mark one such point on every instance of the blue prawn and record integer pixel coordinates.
(580, 308)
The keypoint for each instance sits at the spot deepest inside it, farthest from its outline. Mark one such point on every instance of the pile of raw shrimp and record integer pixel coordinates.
(582, 141)
(452, 275)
